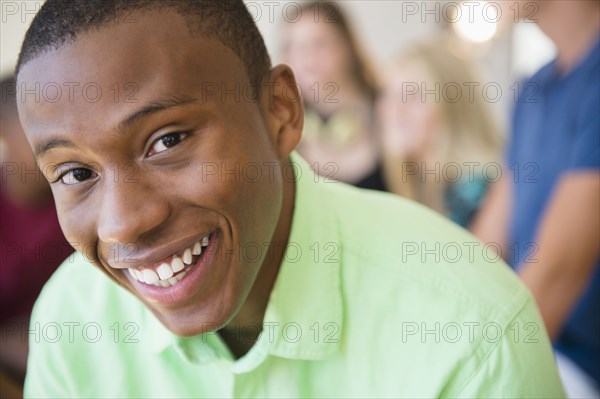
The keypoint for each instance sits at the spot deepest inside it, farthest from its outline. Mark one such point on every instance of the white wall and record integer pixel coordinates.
(15, 17)
(378, 23)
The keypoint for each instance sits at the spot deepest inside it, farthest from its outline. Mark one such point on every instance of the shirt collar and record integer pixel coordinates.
(305, 309)
(550, 74)
(303, 319)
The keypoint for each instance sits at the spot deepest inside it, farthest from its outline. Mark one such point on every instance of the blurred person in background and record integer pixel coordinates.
(544, 213)
(32, 243)
(438, 136)
(339, 93)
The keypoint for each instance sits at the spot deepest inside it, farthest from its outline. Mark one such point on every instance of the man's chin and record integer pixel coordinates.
(186, 324)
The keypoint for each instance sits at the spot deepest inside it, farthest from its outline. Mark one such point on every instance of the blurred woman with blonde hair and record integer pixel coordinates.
(439, 138)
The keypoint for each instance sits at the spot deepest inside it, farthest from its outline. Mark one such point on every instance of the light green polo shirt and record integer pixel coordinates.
(376, 297)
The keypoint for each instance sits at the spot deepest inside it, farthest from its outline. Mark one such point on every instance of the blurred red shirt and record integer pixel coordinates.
(32, 246)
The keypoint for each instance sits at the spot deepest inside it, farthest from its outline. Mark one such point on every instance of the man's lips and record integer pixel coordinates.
(163, 272)
(170, 270)
(179, 277)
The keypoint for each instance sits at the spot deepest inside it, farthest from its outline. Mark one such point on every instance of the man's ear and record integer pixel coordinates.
(284, 109)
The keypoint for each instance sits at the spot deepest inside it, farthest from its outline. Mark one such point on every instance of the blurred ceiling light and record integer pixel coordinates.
(477, 21)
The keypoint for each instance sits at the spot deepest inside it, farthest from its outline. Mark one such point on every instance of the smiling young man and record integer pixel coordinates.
(230, 269)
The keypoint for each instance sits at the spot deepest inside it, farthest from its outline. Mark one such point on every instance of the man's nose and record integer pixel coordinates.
(130, 210)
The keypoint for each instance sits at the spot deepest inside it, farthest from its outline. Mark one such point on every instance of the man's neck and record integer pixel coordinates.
(243, 330)
(574, 30)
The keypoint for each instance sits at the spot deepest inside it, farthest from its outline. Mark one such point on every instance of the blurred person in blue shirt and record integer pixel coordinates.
(545, 212)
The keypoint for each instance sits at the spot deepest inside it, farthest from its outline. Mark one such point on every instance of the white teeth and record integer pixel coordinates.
(177, 264)
(136, 274)
(180, 276)
(164, 271)
(150, 276)
(187, 256)
(197, 250)
(172, 280)
(164, 274)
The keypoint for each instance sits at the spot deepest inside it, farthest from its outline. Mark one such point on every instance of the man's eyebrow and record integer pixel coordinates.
(152, 107)
(50, 144)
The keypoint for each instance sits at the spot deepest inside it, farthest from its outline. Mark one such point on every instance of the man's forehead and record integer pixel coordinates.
(127, 64)
(151, 44)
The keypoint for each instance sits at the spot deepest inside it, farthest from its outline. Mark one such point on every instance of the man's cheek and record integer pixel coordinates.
(213, 186)
(78, 231)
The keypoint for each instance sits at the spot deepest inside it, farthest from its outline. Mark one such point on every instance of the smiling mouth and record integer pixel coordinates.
(173, 269)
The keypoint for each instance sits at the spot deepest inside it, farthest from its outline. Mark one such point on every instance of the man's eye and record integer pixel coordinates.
(167, 141)
(77, 175)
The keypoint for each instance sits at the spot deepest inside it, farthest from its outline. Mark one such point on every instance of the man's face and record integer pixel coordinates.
(141, 192)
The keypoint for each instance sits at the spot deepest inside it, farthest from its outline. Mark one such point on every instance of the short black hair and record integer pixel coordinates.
(59, 22)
